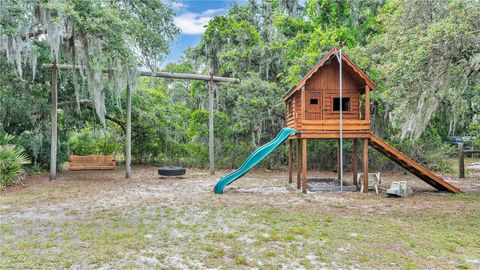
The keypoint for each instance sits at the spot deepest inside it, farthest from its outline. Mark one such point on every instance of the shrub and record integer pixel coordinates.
(429, 150)
(11, 160)
(474, 130)
(87, 141)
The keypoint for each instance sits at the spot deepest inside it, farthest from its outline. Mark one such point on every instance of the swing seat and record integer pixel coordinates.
(91, 162)
(171, 171)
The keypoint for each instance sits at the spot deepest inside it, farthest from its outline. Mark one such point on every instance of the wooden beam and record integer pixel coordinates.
(331, 135)
(365, 165)
(337, 122)
(128, 147)
(53, 115)
(355, 162)
(211, 134)
(290, 159)
(304, 165)
(71, 67)
(367, 103)
(186, 76)
(299, 164)
(302, 103)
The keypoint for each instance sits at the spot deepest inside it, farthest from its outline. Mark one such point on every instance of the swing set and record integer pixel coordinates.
(55, 67)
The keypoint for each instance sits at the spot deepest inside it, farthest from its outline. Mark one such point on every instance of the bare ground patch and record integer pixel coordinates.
(101, 220)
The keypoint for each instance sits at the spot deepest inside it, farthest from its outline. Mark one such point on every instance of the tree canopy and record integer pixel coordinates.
(93, 35)
(423, 55)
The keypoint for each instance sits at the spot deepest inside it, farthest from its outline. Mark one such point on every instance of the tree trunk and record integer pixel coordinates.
(53, 112)
(128, 147)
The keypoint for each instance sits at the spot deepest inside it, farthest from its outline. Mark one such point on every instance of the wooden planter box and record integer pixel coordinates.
(91, 162)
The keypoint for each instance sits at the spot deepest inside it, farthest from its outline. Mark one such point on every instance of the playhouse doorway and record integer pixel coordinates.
(313, 105)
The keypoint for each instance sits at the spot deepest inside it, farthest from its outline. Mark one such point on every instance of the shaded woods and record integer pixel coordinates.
(423, 55)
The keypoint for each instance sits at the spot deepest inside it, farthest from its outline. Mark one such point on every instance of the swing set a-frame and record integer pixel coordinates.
(211, 79)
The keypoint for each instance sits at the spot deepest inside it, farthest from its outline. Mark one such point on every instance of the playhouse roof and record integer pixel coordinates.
(349, 66)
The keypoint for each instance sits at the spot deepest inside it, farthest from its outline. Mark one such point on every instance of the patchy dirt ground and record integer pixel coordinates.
(90, 220)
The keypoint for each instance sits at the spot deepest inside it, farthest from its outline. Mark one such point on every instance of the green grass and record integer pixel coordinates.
(453, 165)
(166, 235)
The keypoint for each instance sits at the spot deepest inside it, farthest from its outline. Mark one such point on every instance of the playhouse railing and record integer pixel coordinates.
(334, 125)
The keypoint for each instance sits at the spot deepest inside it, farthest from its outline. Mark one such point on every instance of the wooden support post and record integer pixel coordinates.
(211, 135)
(367, 103)
(304, 165)
(53, 112)
(302, 104)
(355, 162)
(365, 165)
(338, 160)
(290, 159)
(128, 146)
(299, 164)
(461, 161)
(303, 171)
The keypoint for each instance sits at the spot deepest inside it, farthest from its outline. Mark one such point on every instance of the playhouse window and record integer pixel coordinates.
(345, 104)
(314, 101)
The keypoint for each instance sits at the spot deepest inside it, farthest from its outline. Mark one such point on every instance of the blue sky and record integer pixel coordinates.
(191, 16)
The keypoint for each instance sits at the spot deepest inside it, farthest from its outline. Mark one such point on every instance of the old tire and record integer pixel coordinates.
(171, 171)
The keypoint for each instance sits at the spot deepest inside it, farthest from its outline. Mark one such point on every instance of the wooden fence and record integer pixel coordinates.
(461, 158)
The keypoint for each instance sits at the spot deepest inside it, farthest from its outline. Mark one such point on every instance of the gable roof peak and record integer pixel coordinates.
(345, 59)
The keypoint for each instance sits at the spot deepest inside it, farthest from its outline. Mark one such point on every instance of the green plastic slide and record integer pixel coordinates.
(254, 159)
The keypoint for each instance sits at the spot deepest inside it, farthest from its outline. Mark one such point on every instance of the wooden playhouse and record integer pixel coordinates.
(313, 108)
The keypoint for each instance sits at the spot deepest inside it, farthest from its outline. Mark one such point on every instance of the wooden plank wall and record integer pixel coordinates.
(353, 113)
(334, 125)
(293, 112)
(326, 80)
(324, 86)
(289, 113)
(298, 110)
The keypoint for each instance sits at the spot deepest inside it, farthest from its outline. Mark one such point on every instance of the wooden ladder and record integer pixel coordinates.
(411, 166)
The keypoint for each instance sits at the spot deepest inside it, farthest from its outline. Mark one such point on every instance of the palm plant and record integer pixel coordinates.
(11, 160)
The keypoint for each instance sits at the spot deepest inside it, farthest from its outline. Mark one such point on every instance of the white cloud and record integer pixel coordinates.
(213, 12)
(193, 23)
(179, 5)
